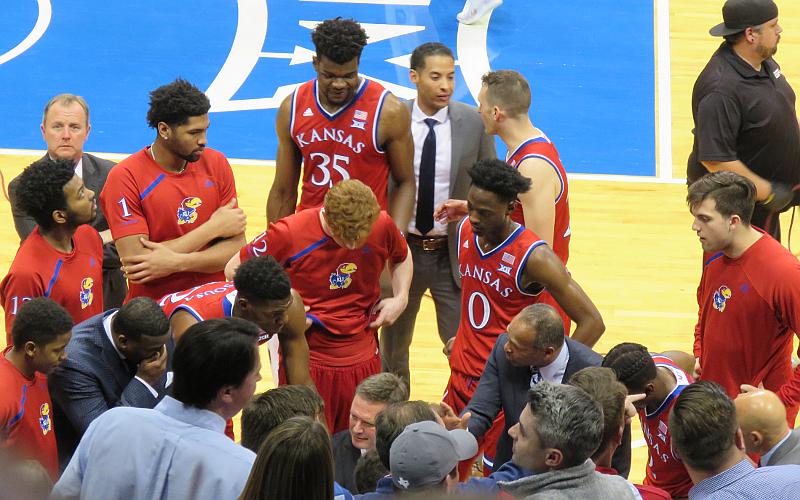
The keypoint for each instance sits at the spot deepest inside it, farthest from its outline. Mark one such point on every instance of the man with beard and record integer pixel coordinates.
(63, 257)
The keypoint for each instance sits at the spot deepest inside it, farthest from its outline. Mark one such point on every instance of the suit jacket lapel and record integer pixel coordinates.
(115, 364)
(89, 173)
(455, 143)
(785, 448)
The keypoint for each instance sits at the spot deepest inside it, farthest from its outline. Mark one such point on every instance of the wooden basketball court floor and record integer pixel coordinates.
(632, 247)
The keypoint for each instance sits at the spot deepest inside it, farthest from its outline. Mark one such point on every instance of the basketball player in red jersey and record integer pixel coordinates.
(261, 293)
(503, 267)
(661, 380)
(63, 257)
(171, 206)
(342, 126)
(334, 256)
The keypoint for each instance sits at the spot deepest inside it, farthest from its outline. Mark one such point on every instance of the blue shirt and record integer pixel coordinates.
(169, 452)
(385, 489)
(743, 482)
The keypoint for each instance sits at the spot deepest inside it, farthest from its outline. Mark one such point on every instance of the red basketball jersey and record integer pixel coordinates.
(74, 280)
(664, 469)
(341, 145)
(340, 286)
(491, 294)
(140, 197)
(26, 416)
(209, 301)
(542, 148)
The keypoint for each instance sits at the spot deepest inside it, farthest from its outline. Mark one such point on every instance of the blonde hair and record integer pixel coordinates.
(508, 90)
(66, 100)
(351, 209)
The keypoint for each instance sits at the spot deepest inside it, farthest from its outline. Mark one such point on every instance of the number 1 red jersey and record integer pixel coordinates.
(543, 149)
(341, 145)
(664, 469)
(491, 294)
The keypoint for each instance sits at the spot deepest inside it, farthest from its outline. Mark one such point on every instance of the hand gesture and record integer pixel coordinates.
(388, 310)
(160, 261)
(450, 211)
(153, 368)
(450, 419)
(228, 220)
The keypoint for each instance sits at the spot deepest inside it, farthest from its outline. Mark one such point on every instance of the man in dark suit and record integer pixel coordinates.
(118, 358)
(533, 350)
(448, 138)
(65, 128)
(762, 418)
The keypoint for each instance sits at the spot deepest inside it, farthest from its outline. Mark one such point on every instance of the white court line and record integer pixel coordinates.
(626, 313)
(42, 22)
(639, 443)
(664, 91)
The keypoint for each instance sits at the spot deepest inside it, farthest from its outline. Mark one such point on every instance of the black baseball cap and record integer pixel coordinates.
(738, 15)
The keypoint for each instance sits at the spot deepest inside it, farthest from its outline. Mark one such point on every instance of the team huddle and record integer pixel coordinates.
(134, 308)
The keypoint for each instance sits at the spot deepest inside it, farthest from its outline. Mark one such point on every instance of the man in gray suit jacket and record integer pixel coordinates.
(448, 138)
(534, 350)
(118, 358)
(65, 128)
(762, 418)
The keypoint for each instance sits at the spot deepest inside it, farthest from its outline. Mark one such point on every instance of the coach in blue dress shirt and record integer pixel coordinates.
(706, 434)
(178, 450)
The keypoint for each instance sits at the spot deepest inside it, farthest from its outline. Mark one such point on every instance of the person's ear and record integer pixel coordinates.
(553, 458)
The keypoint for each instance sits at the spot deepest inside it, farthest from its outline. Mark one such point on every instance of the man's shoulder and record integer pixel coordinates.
(582, 353)
(103, 165)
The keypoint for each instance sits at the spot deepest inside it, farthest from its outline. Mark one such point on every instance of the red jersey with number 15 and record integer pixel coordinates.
(491, 294)
(664, 469)
(541, 148)
(341, 145)
(339, 286)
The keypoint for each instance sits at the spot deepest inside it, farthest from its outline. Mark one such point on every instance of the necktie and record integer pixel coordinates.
(536, 376)
(427, 172)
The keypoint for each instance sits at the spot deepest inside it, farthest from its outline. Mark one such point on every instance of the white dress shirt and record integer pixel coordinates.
(441, 186)
(554, 372)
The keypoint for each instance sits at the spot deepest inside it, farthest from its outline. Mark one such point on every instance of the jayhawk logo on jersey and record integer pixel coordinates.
(721, 297)
(187, 213)
(86, 294)
(44, 419)
(341, 278)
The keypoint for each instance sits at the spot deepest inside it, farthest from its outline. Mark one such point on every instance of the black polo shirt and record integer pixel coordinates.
(740, 113)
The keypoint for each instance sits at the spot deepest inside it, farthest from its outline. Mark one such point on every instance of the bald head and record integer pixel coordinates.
(762, 418)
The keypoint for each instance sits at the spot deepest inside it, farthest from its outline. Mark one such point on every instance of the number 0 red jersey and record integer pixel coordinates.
(542, 148)
(491, 294)
(341, 145)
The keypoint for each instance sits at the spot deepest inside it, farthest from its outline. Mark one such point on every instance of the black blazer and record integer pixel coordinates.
(504, 386)
(345, 456)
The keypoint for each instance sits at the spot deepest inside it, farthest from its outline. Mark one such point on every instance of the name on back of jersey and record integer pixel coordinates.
(484, 276)
(329, 134)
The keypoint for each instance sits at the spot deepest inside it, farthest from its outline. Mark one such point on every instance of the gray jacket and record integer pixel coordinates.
(581, 481)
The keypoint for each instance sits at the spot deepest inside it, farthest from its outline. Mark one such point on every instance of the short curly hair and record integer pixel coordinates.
(500, 178)
(175, 103)
(40, 189)
(340, 40)
(262, 278)
(632, 364)
(41, 321)
(351, 209)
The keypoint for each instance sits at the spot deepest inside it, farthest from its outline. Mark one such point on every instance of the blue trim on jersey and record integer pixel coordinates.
(227, 307)
(333, 116)
(665, 404)
(521, 268)
(54, 278)
(16, 418)
(714, 257)
(152, 186)
(308, 249)
(377, 121)
(511, 237)
(188, 309)
(316, 321)
(555, 167)
(291, 112)
(541, 138)
(460, 225)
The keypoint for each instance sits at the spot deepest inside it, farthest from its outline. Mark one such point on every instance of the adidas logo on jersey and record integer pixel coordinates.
(466, 244)
(308, 112)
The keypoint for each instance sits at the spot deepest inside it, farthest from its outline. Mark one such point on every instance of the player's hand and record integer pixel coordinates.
(153, 368)
(747, 388)
(450, 211)
(159, 262)
(780, 198)
(450, 419)
(228, 220)
(630, 408)
(697, 369)
(447, 350)
(388, 310)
